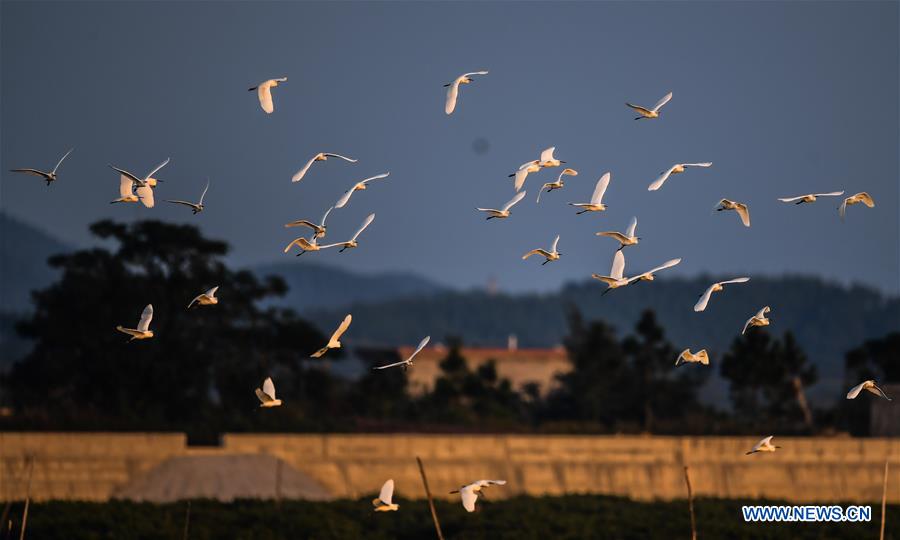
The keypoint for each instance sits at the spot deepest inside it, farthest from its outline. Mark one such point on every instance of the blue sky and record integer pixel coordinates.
(783, 98)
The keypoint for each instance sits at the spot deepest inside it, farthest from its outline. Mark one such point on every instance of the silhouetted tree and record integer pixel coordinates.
(198, 372)
(767, 381)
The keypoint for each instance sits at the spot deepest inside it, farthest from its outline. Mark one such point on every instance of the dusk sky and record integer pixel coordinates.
(783, 98)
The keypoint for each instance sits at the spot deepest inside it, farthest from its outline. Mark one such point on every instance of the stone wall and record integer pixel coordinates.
(100, 466)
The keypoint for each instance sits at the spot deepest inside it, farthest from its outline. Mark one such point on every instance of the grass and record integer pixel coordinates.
(520, 518)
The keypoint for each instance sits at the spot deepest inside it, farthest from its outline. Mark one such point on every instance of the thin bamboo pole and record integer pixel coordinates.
(437, 524)
(687, 480)
(884, 498)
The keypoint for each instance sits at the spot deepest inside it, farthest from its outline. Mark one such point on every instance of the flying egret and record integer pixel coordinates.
(503, 213)
(674, 169)
(359, 186)
(453, 89)
(206, 299)
(650, 113)
(266, 394)
(383, 502)
(306, 245)
(595, 205)
(650, 275)
(524, 170)
(759, 319)
(550, 186)
(550, 256)
(143, 186)
(126, 191)
(321, 156)
(740, 208)
(764, 445)
(334, 341)
(547, 160)
(615, 279)
(867, 385)
(195, 207)
(264, 93)
(627, 239)
(352, 243)
(318, 229)
(143, 327)
(715, 287)
(409, 361)
(47, 176)
(809, 197)
(469, 493)
(687, 357)
(861, 197)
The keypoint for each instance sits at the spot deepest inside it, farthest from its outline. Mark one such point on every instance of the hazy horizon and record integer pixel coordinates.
(777, 96)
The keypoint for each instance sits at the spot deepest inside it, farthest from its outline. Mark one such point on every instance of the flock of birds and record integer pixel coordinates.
(133, 189)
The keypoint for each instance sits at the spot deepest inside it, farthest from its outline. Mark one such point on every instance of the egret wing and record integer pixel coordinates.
(469, 497)
(302, 172)
(421, 346)
(704, 299)
(547, 155)
(264, 93)
(156, 169)
(204, 192)
(555, 243)
(829, 194)
(365, 224)
(618, 266)
(126, 186)
(268, 387)
(58, 163)
(345, 158)
(342, 328)
(146, 317)
(665, 99)
(344, 198)
(387, 492)
(512, 202)
(145, 194)
(629, 232)
(662, 179)
(735, 280)
(452, 93)
(263, 398)
(744, 212)
(600, 188)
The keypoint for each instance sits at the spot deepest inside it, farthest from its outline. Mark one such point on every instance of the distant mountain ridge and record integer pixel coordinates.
(24, 250)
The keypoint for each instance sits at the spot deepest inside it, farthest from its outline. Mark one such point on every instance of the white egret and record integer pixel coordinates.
(643, 112)
(759, 319)
(305, 245)
(869, 385)
(503, 213)
(453, 89)
(547, 160)
(409, 361)
(674, 169)
(321, 156)
(687, 357)
(550, 256)
(627, 239)
(383, 502)
(764, 445)
(615, 279)
(334, 341)
(359, 186)
(809, 197)
(740, 208)
(352, 243)
(143, 327)
(469, 493)
(319, 229)
(126, 191)
(195, 207)
(861, 197)
(47, 176)
(596, 204)
(264, 93)
(266, 394)
(524, 170)
(206, 299)
(143, 186)
(558, 184)
(715, 287)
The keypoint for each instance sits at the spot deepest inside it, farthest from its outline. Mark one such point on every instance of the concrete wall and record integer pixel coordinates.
(95, 467)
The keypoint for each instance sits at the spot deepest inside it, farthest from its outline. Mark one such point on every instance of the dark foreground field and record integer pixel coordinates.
(570, 517)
